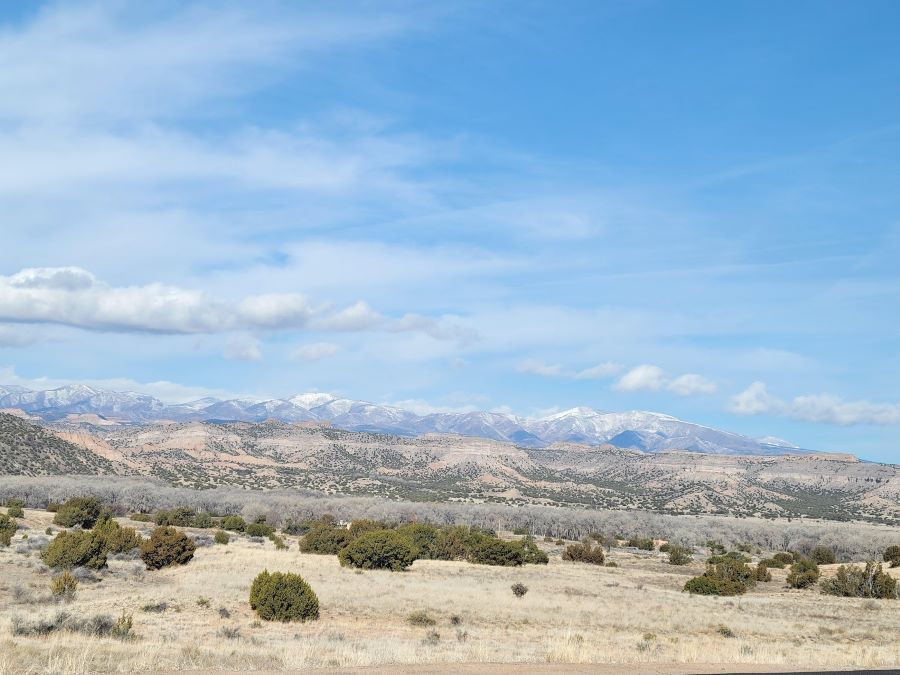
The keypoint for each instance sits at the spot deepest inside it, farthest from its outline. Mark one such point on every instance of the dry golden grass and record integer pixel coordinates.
(573, 613)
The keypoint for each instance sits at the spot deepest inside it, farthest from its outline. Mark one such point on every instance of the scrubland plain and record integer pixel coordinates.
(196, 617)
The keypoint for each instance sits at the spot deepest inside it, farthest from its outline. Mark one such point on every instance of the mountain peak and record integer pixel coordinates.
(311, 400)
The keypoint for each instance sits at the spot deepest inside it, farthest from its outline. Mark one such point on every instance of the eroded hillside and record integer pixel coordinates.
(437, 467)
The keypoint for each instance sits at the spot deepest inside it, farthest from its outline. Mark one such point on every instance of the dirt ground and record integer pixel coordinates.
(575, 618)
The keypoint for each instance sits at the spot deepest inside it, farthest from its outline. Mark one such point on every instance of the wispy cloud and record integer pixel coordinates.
(599, 372)
(78, 62)
(823, 408)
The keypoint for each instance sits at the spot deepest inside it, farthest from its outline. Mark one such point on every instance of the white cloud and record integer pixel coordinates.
(822, 408)
(275, 310)
(74, 297)
(243, 349)
(642, 378)
(691, 384)
(357, 317)
(315, 351)
(754, 400)
(598, 372)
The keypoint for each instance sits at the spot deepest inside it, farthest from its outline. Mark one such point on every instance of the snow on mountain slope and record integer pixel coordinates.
(647, 431)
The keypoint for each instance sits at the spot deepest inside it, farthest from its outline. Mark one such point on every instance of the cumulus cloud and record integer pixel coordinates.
(642, 378)
(315, 351)
(822, 408)
(275, 310)
(691, 384)
(72, 296)
(754, 400)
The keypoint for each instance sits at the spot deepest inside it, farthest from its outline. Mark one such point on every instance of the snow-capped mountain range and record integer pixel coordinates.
(647, 431)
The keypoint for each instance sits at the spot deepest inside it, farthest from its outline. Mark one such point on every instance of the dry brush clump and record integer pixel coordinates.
(584, 553)
(726, 577)
(99, 625)
(679, 555)
(64, 587)
(851, 581)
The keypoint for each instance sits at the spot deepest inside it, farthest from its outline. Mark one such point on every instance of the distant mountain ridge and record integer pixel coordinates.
(646, 431)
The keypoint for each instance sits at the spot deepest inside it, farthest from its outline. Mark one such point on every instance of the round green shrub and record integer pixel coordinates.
(233, 523)
(519, 589)
(117, 539)
(15, 508)
(784, 558)
(762, 573)
(363, 525)
(258, 530)
(202, 520)
(325, 540)
(804, 573)
(182, 516)
(283, 597)
(8, 528)
(422, 538)
(378, 550)
(165, 547)
(221, 537)
(822, 555)
(892, 556)
(531, 552)
(81, 548)
(80, 511)
(490, 551)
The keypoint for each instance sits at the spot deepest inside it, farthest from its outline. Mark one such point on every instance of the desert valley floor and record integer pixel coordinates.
(196, 617)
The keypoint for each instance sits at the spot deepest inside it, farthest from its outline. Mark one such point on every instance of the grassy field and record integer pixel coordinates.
(572, 614)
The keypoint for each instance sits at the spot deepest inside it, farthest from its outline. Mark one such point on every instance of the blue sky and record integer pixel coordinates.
(683, 207)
